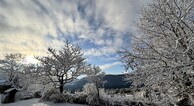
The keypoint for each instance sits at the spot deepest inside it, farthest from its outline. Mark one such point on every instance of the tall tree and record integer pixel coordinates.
(162, 54)
(62, 66)
(11, 67)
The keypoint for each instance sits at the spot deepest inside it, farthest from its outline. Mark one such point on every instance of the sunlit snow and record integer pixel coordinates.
(35, 102)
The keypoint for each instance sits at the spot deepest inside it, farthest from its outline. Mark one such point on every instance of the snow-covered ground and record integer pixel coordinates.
(35, 102)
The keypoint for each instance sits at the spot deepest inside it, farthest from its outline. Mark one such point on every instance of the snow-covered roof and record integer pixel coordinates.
(10, 89)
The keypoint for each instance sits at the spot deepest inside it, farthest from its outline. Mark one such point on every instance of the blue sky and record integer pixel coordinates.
(100, 27)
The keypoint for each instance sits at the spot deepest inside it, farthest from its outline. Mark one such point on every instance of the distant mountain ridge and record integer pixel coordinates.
(112, 82)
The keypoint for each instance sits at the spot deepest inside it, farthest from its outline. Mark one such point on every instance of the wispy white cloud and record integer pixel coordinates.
(99, 51)
(109, 65)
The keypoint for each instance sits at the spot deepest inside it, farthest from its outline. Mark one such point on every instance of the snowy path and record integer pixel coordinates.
(35, 102)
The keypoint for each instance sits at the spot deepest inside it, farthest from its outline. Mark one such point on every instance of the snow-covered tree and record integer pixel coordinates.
(62, 66)
(30, 76)
(96, 77)
(11, 67)
(90, 89)
(162, 54)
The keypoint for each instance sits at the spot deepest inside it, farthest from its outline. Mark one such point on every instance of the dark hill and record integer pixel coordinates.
(112, 82)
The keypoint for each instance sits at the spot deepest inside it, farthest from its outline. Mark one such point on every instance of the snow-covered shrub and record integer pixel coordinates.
(93, 100)
(122, 100)
(68, 97)
(80, 98)
(90, 89)
(53, 95)
(48, 93)
(92, 94)
(57, 98)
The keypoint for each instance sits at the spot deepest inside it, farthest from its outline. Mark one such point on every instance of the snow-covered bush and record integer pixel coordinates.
(48, 93)
(92, 93)
(54, 95)
(89, 97)
(122, 100)
(114, 100)
(96, 77)
(93, 100)
(80, 98)
(58, 98)
(90, 89)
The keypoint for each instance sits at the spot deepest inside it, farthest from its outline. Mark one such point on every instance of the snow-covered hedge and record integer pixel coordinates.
(55, 96)
(91, 98)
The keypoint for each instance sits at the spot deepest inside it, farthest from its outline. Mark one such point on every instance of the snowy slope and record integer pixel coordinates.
(35, 102)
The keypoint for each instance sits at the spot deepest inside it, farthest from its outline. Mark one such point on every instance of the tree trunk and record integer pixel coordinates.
(61, 84)
(98, 92)
(61, 88)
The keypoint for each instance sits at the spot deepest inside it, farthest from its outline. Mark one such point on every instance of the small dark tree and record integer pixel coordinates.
(62, 66)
